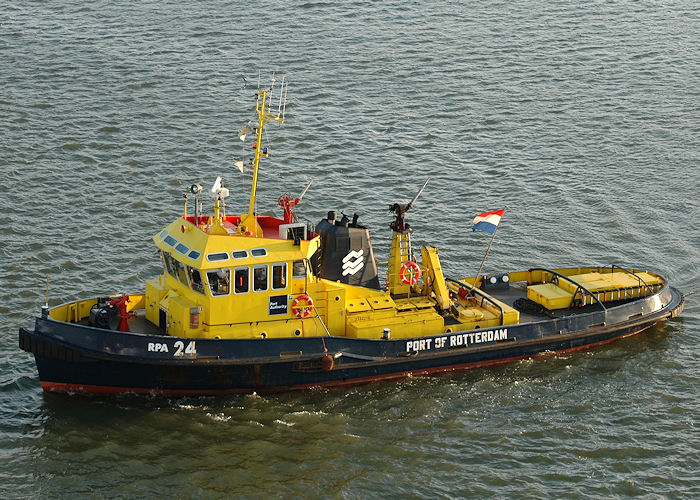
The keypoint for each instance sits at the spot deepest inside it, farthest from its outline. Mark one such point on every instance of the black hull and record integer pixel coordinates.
(73, 358)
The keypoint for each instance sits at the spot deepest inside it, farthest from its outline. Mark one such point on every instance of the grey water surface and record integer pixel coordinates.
(582, 118)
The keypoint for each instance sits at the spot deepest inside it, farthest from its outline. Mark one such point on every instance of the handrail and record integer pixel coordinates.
(483, 296)
(318, 316)
(578, 285)
(612, 269)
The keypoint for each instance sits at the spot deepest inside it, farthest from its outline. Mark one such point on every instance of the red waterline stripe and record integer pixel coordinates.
(108, 390)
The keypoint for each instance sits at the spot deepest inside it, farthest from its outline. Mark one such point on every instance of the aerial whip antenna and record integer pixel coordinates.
(249, 224)
(408, 207)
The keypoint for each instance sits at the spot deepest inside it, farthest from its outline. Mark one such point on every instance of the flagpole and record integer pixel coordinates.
(476, 280)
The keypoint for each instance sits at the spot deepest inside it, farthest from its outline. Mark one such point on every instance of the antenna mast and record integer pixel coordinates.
(263, 107)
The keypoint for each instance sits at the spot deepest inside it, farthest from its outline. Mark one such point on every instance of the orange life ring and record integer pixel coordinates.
(304, 310)
(410, 273)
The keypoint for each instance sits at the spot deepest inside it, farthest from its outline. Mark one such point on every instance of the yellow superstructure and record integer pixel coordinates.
(241, 286)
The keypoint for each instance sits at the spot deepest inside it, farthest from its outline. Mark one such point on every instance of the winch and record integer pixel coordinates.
(104, 315)
(110, 313)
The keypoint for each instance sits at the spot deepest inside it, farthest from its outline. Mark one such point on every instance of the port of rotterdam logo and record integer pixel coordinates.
(353, 262)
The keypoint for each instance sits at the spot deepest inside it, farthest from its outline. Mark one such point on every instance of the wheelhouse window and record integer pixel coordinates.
(162, 258)
(169, 240)
(260, 278)
(258, 252)
(168, 263)
(239, 254)
(298, 269)
(195, 279)
(215, 257)
(182, 248)
(219, 282)
(279, 276)
(180, 272)
(241, 280)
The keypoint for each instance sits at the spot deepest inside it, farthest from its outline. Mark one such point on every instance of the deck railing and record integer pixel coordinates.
(613, 267)
(579, 287)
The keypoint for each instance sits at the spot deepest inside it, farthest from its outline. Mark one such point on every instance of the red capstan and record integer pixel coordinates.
(288, 205)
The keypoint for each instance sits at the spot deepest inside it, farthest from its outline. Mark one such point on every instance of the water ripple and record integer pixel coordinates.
(582, 119)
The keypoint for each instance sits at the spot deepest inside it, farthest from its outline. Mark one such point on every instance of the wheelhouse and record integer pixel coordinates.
(209, 290)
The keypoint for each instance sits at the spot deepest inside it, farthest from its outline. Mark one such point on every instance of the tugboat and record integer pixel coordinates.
(249, 303)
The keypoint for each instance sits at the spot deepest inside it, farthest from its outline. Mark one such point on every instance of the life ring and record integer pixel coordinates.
(410, 273)
(304, 310)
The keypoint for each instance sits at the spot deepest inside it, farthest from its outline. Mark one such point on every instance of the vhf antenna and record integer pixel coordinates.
(263, 107)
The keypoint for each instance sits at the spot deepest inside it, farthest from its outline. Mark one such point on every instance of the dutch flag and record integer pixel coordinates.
(488, 221)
